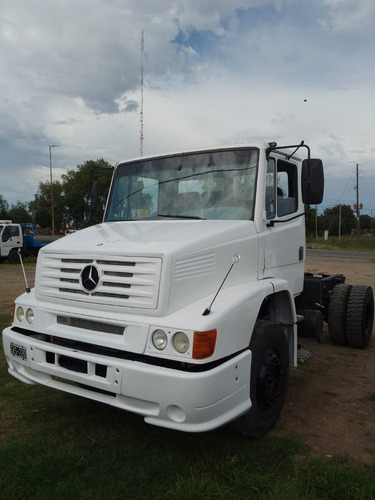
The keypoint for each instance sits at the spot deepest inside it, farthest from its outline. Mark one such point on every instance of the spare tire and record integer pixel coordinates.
(337, 307)
(360, 316)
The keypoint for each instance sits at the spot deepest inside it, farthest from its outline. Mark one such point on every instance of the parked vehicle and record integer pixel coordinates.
(15, 237)
(183, 305)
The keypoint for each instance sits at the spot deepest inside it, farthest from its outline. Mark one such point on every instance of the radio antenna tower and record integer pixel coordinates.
(141, 107)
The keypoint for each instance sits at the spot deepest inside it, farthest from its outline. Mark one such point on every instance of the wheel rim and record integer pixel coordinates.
(270, 376)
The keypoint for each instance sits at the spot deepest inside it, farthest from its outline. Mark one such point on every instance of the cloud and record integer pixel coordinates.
(350, 16)
(218, 71)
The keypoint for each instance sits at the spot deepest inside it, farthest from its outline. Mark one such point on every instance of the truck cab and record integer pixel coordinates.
(11, 239)
(180, 305)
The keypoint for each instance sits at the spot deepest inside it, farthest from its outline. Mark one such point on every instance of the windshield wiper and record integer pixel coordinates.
(182, 216)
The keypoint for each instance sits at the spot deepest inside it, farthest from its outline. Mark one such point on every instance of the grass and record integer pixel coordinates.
(55, 444)
(345, 243)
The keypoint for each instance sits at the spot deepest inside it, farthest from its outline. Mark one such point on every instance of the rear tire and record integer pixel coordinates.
(337, 307)
(360, 316)
(268, 382)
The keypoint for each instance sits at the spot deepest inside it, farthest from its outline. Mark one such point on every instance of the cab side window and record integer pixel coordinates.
(281, 188)
(287, 201)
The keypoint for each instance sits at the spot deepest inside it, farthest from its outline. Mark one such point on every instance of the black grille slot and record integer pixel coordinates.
(76, 261)
(50, 357)
(113, 295)
(70, 290)
(87, 324)
(115, 263)
(100, 370)
(69, 270)
(118, 274)
(73, 364)
(116, 285)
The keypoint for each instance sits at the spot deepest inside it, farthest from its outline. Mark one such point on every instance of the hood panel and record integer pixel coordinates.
(154, 237)
(154, 267)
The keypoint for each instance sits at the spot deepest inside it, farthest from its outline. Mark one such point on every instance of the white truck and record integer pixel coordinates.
(183, 304)
(15, 238)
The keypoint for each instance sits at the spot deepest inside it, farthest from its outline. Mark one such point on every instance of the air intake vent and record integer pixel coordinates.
(193, 266)
(85, 324)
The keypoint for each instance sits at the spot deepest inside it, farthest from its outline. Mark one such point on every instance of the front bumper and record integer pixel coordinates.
(186, 401)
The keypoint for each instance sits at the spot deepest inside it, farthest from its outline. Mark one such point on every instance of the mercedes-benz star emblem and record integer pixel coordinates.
(90, 278)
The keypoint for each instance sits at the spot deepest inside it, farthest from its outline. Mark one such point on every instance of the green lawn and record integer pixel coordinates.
(345, 243)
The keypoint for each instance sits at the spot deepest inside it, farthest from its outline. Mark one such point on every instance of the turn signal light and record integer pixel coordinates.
(204, 344)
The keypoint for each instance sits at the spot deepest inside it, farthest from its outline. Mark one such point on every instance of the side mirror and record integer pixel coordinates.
(312, 181)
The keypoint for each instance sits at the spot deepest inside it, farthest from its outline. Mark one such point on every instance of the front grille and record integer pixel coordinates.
(131, 282)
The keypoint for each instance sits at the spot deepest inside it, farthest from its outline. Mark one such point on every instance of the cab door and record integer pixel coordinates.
(11, 238)
(284, 235)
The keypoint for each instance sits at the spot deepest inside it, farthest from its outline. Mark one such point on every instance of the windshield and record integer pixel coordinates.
(208, 185)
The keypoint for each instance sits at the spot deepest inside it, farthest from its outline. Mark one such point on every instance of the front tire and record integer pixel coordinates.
(268, 382)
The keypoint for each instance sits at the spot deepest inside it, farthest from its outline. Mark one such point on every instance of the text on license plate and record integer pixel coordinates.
(18, 350)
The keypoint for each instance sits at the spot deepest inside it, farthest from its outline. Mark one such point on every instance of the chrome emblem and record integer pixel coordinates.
(89, 278)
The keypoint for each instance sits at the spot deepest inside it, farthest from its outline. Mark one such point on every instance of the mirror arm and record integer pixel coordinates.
(273, 146)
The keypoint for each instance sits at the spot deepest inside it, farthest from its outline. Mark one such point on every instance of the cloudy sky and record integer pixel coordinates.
(215, 72)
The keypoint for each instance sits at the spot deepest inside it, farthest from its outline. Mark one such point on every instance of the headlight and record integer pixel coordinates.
(159, 339)
(20, 314)
(30, 316)
(180, 342)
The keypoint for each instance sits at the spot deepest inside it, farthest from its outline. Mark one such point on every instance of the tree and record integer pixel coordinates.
(77, 185)
(19, 213)
(4, 207)
(310, 221)
(71, 197)
(365, 224)
(331, 219)
(40, 207)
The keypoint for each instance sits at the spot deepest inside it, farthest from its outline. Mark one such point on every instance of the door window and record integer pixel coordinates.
(281, 188)
(10, 232)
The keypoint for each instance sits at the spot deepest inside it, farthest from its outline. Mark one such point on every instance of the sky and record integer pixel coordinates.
(215, 72)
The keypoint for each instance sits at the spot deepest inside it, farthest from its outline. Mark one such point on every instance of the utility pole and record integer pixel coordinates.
(357, 189)
(50, 173)
(141, 107)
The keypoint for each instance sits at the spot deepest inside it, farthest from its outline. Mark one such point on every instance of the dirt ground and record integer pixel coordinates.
(330, 402)
(331, 397)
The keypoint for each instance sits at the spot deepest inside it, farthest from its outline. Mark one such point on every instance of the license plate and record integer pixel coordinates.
(19, 351)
